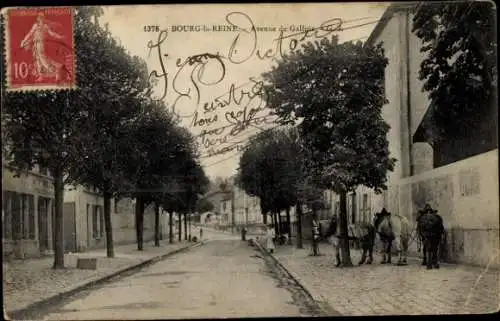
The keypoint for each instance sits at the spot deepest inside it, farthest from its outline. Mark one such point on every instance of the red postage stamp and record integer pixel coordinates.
(40, 48)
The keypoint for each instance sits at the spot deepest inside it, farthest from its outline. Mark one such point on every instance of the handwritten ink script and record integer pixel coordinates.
(225, 122)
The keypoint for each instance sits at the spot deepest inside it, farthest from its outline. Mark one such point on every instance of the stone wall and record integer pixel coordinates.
(466, 195)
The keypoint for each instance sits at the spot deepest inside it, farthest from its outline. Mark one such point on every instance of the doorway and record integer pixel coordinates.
(43, 226)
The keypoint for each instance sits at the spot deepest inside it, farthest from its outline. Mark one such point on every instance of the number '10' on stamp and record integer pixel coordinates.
(40, 48)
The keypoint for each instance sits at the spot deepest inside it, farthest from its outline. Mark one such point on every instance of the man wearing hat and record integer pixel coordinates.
(430, 228)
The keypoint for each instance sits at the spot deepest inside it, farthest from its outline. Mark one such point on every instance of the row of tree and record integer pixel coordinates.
(329, 98)
(331, 94)
(108, 133)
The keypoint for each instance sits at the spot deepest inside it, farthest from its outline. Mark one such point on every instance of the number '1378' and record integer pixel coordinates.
(21, 70)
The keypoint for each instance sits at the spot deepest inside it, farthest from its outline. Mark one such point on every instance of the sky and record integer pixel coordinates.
(206, 60)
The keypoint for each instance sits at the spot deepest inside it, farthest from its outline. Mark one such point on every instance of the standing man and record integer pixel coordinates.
(316, 236)
(201, 234)
(334, 234)
(271, 234)
(244, 233)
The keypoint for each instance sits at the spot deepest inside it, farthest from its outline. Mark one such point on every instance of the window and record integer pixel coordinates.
(27, 216)
(95, 222)
(7, 215)
(365, 208)
(101, 218)
(88, 224)
(469, 182)
(223, 206)
(16, 212)
(353, 208)
(31, 217)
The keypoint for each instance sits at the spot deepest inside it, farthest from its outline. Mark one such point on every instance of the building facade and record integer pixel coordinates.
(221, 211)
(461, 183)
(247, 208)
(27, 213)
(84, 220)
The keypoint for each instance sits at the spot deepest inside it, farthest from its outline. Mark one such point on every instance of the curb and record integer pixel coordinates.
(19, 313)
(318, 298)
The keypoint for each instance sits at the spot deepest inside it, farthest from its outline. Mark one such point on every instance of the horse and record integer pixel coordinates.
(393, 228)
(363, 233)
(430, 229)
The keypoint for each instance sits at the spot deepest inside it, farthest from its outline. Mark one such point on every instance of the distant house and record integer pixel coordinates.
(217, 197)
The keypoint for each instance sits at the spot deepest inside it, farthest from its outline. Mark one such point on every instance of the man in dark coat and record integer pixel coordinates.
(431, 229)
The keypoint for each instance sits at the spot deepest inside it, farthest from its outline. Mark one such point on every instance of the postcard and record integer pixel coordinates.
(250, 160)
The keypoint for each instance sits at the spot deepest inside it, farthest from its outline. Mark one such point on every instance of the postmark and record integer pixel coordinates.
(40, 48)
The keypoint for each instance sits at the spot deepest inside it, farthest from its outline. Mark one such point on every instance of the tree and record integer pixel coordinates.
(459, 68)
(270, 168)
(222, 184)
(204, 205)
(117, 94)
(184, 179)
(156, 147)
(171, 203)
(51, 128)
(334, 92)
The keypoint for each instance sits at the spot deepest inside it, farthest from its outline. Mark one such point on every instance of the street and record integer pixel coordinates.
(222, 278)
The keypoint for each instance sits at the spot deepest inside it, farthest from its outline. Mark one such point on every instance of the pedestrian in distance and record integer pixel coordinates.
(315, 236)
(270, 238)
(201, 233)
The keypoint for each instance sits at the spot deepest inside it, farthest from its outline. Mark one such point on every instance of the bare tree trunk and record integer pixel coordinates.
(185, 227)
(180, 226)
(299, 226)
(344, 235)
(264, 218)
(110, 251)
(139, 222)
(58, 222)
(288, 225)
(157, 225)
(280, 224)
(189, 228)
(170, 227)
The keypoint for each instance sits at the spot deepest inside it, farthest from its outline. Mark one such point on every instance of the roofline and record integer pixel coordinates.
(384, 20)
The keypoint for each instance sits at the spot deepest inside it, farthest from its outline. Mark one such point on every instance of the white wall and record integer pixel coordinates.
(122, 221)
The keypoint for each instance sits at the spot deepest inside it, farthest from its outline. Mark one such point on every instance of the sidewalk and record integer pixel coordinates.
(389, 289)
(30, 281)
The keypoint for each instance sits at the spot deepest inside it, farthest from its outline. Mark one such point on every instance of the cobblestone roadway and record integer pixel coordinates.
(26, 282)
(223, 278)
(390, 289)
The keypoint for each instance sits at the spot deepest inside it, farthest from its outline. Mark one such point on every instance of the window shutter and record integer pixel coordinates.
(7, 215)
(31, 217)
(16, 216)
